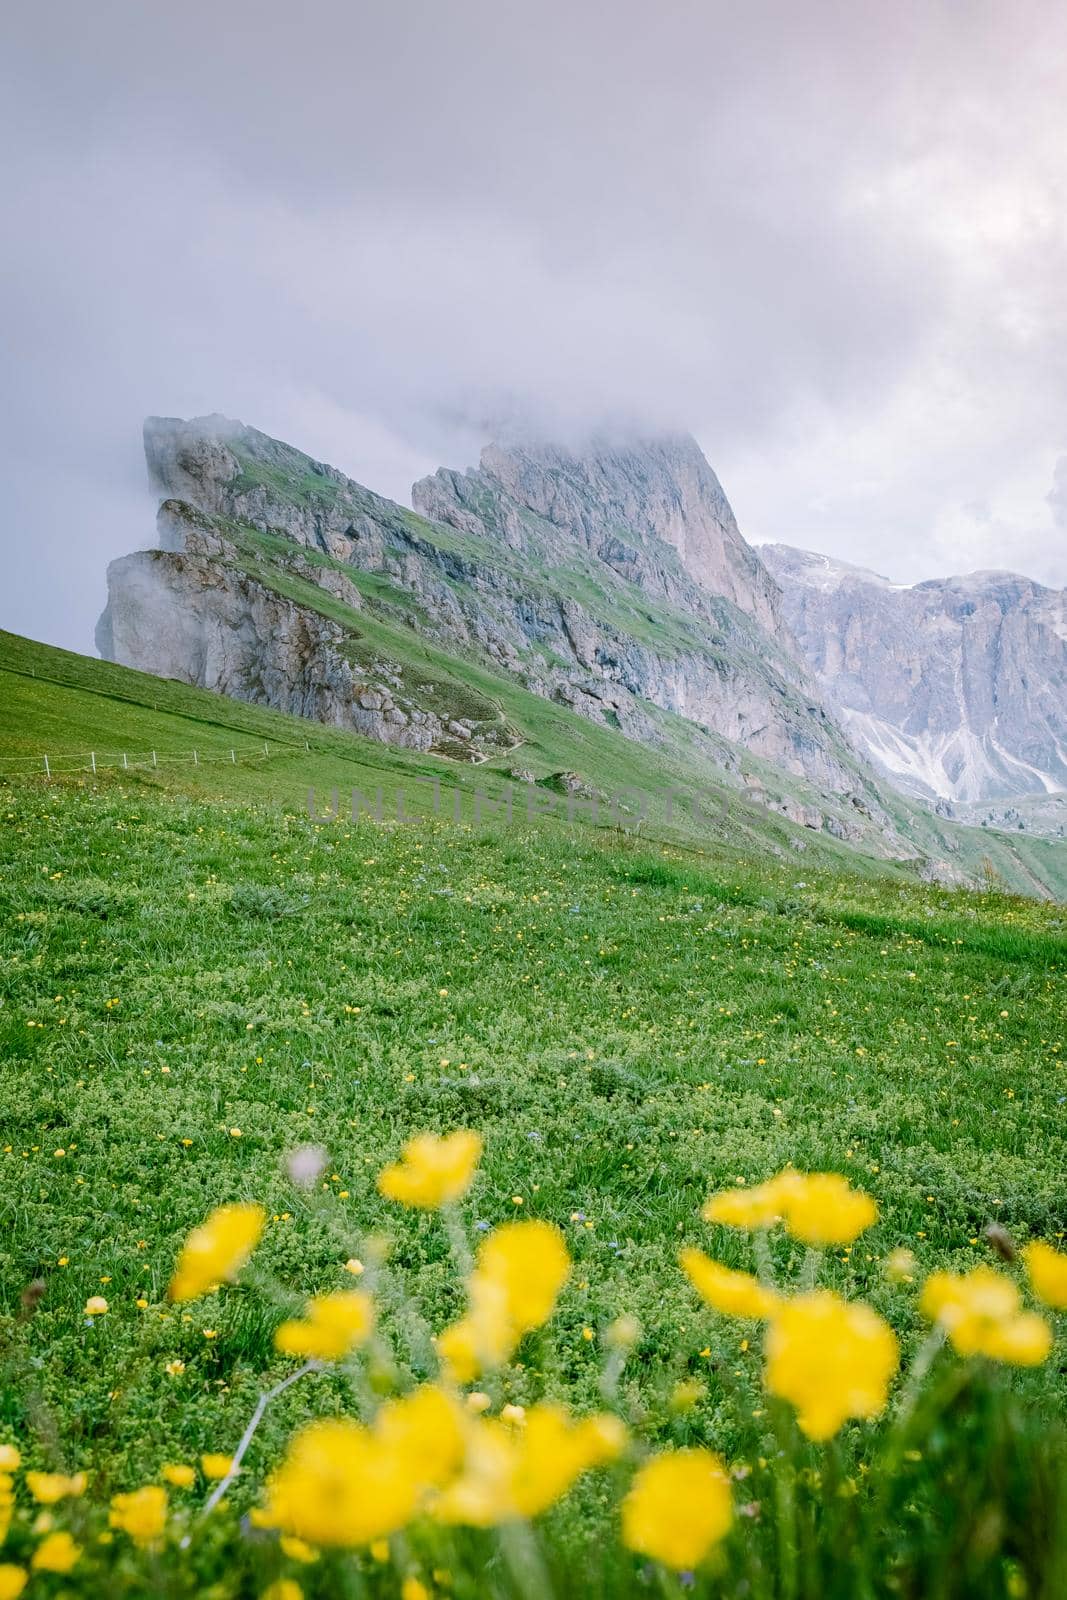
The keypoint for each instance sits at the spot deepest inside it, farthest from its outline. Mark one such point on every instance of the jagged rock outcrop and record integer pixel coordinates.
(206, 624)
(956, 687)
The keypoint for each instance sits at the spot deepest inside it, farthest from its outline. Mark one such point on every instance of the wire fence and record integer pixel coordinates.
(56, 763)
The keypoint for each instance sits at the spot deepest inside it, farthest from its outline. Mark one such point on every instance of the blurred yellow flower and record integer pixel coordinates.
(425, 1430)
(829, 1359)
(96, 1306)
(413, 1589)
(215, 1465)
(282, 1589)
(298, 1549)
(10, 1458)
(818, 1208)
(822, 1208)
(517, 1276)
(735, 1294)
(510, 1472)
(12, 1580)
(1047, 1271)
(339, 1485)
(677, 1508)
(432, 1170)
(179, 1475)
(56, 1553)
(48, 1487)
(980, 1313)
(333, 1324)
(142, 1514)
(216, 1250)
(760, 1207)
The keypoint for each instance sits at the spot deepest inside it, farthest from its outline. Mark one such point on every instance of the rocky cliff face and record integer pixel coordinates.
(190, 610)
(652, 511)
(957, 688)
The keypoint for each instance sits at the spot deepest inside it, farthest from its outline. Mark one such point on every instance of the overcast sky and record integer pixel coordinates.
(828, 239)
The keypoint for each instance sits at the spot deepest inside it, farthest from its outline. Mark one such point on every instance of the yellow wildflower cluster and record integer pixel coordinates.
(818, 1208)
(466, 1460)
(433, 1171)
(216, 1251)
(346, 1484)
(980, 1312)
(142, 1514)
(517, 1276)
(519, 1469)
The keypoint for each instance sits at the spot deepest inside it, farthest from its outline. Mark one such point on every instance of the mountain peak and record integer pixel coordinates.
(651, 507)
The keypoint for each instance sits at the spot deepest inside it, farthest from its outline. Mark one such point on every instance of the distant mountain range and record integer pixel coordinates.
(956, 688)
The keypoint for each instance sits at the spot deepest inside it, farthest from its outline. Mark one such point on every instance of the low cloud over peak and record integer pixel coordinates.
(829, 242)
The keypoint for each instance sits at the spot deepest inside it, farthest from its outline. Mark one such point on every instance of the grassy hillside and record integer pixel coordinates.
(197, 978)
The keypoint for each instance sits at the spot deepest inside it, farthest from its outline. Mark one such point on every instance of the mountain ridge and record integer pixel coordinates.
(955, 687)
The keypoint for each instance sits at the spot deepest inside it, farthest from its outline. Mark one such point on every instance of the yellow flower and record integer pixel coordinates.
(355, 1266)
(48, 1487)
(822, 1208)
(830, 1360)
(425, 1430)
(412, 1589)
(677, 1508)
(56, 1553)
(175, 1368)
(180, 1476)
(142, 1514)
(517, 1277)
(735, 1294)
(759, 1207)
(818, 1208)
(298, 1549)
(527, 1262)
(12, 1581)
(283, 1589)
(215, 1465)
(979, 1311)
(1047, 1271)
(216, 1250)
(333, 1325)
(339, 1485)
(512, 1472)
(432, 1171)
(10, 1459)
(96, 1306)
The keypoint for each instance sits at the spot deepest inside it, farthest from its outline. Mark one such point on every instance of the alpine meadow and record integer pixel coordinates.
(533, 801)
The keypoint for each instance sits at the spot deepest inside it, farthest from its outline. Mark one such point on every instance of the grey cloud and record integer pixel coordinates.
(827, 239)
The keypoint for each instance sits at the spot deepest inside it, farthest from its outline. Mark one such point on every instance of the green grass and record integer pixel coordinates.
(630, 1024)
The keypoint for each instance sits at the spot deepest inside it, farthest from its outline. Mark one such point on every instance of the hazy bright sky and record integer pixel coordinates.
(828, 239)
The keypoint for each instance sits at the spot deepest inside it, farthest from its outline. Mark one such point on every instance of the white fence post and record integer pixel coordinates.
(92, 758)
(47, 768)
(125, 763)
(155, 763)
(196, 761)
(266, 752)
(233, 757)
